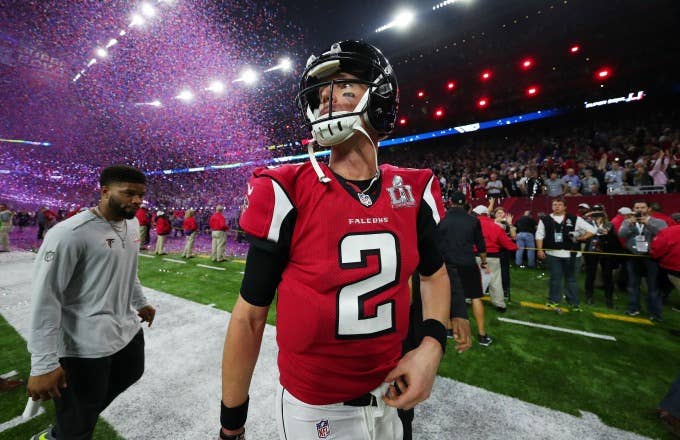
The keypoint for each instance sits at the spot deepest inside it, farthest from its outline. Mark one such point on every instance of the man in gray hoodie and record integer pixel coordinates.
(638, 231)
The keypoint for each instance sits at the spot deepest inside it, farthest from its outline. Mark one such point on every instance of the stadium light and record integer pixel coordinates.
(155, 103)
(532, 91)
(112, 42)
(403, 121)
(101, 52)
(285, 64)
(185, 95)
(486, 75)
(603, 74)
(483, 102)
(574, 49)
(527, 63)
(137, 20)
(92, 62)
(148, 10)
(402, 20)
(450, 85)
(216, 87)
(122, 33)
(421, 94)
(248, 76)
(439, 113)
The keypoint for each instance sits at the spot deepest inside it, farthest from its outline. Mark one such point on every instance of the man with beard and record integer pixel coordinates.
(86, 300)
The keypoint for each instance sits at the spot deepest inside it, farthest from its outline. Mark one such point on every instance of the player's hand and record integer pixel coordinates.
(414, 375)
(46, 386)
(147, 313)
(540, 255)
(461, 334)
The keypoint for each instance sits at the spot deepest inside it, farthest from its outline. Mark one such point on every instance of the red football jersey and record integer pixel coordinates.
(343, 300)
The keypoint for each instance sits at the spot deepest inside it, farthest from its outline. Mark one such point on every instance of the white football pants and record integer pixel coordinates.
(297, 420)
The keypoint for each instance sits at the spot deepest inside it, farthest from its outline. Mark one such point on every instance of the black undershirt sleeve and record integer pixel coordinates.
(428, 244)
(265, 264)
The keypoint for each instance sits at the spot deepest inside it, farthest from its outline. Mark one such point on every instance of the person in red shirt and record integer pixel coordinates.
(336, 244)
(190, 230)
(665, 249)
(218, 226)
(163, 228)
(496, 240)
(142, 216)
(655, 211)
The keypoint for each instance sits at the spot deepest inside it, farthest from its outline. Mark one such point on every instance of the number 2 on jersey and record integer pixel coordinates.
(352, 321)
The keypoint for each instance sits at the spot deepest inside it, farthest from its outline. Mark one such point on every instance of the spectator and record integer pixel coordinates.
(190, 229)
(5, 227)
(590, 186)
(460, 234)
(571, 180)
(640, 176)
(494, 188)
(46, 219)
(555, 186)
(596, 248)
(495, 240)
(655, 211)
(639, 231)
(561, 235)
(218, 227)
(658, 172)
(163, 229)
(504, 219)
(526, 228)
(614, 179)
(665, 249)
(142, 215)
(572, 191)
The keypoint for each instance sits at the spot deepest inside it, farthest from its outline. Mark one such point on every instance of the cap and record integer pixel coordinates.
(598, 208)
(584, 205)
(480, 210)
(160, 213)
(625, 211)
(458, 198)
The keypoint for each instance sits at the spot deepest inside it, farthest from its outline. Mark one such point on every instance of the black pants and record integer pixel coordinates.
(92, 386)
(592, 261)
(505, 273)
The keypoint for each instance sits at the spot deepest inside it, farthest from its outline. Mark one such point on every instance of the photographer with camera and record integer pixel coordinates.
(600, 243)
(639, 231)
(561, 234)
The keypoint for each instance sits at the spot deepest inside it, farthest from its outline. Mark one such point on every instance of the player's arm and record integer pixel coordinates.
(54, 267)
(264, 265)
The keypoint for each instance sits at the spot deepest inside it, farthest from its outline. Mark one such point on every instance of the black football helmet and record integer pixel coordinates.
(378, 106)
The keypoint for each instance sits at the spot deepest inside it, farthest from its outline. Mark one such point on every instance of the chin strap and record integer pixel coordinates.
(319, 172)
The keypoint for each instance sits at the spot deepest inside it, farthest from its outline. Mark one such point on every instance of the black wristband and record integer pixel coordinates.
(435, 329)
(234, 418)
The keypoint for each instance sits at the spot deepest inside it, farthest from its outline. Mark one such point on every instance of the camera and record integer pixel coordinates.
(638, 215)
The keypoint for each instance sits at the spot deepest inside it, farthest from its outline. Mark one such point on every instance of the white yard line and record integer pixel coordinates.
(210, 267)
(172, 260)
(10, 374)
(558, 329)
(146, 256)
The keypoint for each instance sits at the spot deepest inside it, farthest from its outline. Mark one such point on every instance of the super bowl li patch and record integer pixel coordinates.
(49, 256)
(323, 429)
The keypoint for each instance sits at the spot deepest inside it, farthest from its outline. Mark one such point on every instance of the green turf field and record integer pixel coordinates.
(621, 382)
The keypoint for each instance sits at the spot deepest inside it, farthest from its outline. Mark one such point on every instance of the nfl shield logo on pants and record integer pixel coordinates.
(323, 430)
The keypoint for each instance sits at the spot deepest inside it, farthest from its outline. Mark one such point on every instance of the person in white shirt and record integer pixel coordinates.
(558, 239)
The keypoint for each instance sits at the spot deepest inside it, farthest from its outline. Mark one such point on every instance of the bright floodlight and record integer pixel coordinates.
(286, 64)
(101, 52)
(401, 21)
(112, 42)
(185, 95)
(148, 10)
(216, 87)
(404, 19)
(248, 76)
(137, 20)
(155, 103)
(91, 62)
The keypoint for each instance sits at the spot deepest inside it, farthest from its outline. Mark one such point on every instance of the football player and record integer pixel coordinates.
(338, 243)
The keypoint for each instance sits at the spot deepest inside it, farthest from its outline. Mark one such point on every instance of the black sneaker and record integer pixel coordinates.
(449, 334)
(44, 435)
(655, 318)
(485, 340)
(501, 309)
(632, 312)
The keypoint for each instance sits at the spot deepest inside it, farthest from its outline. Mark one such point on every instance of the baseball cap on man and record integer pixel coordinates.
(584, 205)
(458, 198)
(625, 211)
(480, 210)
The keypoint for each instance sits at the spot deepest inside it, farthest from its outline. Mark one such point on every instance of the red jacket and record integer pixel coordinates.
(217, 222)
(617, 221)
(142, 215)
(495, 237)
(666, 248)
(661, 216)
(189, 224)
(163, 225)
